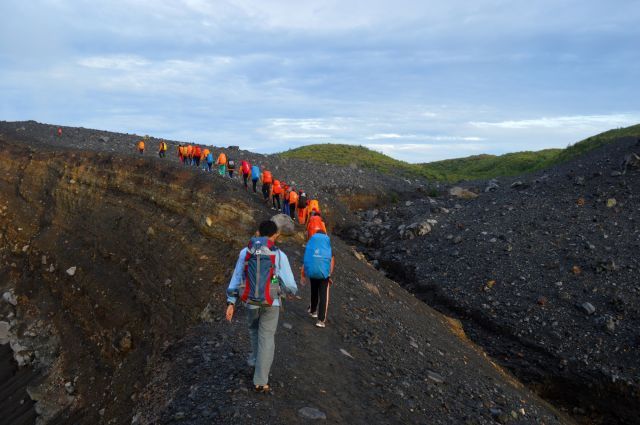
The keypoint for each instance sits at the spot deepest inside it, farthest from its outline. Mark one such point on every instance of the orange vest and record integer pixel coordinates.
(141, 145)
(267, 178)
(277, 189)
(293, 198)
(189, 151)
(315, 224)
(222, 159)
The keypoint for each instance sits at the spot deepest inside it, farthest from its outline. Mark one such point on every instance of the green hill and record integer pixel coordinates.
(469, 168)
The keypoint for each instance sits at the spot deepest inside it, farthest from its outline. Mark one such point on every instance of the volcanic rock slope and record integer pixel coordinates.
(543, 271)
(115, 267)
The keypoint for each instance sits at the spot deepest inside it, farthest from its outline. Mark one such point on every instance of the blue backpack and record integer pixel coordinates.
(261, 283)
(255, 172)
(317, 257)
(209, 158)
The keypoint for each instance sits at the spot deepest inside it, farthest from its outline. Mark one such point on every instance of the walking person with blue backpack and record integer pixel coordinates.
(255, 176)
(261, 276)
(318, 267)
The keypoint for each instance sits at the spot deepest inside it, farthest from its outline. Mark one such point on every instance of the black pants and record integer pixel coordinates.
(292, 211)
(255, 182)
(245, 179)
(230, 173)
(320, 297)
(276, 198)
(161, 154)
(265, 190)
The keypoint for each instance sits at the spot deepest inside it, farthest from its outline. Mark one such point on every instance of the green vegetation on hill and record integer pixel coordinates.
(452, 170)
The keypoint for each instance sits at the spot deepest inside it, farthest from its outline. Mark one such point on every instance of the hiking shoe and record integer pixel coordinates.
(265, 389)
(314, 314)
(320, 324)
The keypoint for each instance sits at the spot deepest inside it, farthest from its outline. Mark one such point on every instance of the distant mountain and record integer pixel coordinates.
(470, 168)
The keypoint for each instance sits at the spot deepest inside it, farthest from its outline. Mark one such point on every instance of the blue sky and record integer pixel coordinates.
(419, 80)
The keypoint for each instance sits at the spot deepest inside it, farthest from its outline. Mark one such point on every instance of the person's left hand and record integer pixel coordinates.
(229, 313)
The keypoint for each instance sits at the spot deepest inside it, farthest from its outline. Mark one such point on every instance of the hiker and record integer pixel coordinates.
(302, 206)
(255, 176)
(197, 151)
(203, 158)
(293, 202)
(315, 224)
(189, 155)
(179, 149)
(267, 180)
(162, 149)
(221, 162)
(312, 206)
(285, 199)
(276, 191)
(231, 166)
(141, 147)
(245, 168)
(59, 131)
(318, 266)
(261, 294)
(210, 162)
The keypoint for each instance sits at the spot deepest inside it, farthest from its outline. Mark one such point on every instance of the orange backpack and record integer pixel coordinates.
(222, 159)
(277, 189)
(293, 197)
(267, 177)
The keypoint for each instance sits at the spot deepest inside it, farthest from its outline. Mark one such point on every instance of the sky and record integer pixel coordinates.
(418, 80)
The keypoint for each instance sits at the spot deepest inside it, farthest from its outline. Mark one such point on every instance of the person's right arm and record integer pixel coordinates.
(236, 278)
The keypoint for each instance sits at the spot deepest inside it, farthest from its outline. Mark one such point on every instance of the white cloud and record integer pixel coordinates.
(114, 62)
(390, 136)
(574, 121)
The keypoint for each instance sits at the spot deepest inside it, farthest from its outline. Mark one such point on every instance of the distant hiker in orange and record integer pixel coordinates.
(141, 147)
(276, 191)
(312, 206)
(203, 158)
(162, 149)
(318, 264)
(189, 154)
(267, 180)
(302, 207)
(315, 224)
(182, 154)
(197, 151)
(221, 162)
(293, 203)
(245, 168)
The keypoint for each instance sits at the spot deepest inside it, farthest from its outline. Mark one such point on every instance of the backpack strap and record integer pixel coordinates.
(247, 284)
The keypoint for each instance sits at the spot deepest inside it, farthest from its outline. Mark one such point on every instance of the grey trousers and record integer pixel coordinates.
(263, 323)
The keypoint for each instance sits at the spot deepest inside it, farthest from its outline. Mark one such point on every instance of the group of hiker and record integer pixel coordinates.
(262, 277)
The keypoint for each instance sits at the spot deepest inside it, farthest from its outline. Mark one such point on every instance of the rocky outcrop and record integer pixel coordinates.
(91, 294)
(541, 269)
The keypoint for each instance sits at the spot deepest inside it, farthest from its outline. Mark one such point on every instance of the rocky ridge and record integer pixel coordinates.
(541, 269)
